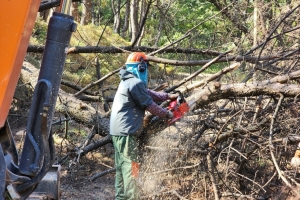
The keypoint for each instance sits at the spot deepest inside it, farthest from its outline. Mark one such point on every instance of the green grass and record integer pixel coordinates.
(80, 68)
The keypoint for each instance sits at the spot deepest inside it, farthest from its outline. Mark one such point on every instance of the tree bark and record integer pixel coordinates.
(117, 17)
(75, 11)
(86, 12)
(126, 19)
(134, 19)
(211, 93)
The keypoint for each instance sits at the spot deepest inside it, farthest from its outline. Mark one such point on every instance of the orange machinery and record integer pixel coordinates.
(17, 19)
(33, 172)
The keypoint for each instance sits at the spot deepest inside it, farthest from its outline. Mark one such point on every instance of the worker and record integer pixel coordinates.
(126, 122)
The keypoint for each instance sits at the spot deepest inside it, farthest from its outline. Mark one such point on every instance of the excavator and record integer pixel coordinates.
(32, 173)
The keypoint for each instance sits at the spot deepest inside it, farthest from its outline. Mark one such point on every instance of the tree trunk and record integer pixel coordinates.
(126, 19)
(75, 11)
(161, 24)
(86, 12)
(134, 19)
(117, 16)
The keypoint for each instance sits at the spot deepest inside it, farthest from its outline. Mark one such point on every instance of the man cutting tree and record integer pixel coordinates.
(131, 101)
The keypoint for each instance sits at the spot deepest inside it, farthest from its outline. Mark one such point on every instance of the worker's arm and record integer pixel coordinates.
(154, 109)
(161, 96)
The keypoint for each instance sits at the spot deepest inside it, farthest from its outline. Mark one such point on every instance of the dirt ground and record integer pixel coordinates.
(76, 174)
(76, 181)
(170, 170)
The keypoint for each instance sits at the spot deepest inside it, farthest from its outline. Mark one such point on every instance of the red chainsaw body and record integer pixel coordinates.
(178, 109)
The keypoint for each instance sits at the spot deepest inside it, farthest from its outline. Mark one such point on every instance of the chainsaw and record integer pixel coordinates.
(178, 107)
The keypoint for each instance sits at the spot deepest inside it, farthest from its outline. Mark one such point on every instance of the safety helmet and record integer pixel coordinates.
(136, 57)
(137, 64)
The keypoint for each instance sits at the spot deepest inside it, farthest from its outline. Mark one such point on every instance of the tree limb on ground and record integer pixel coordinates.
(68, 103)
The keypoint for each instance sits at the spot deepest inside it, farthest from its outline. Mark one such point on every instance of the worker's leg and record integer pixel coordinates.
(128, 160)
(130, 169)
(119, 183)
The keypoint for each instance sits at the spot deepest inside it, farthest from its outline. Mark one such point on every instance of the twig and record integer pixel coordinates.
(293, 180)
(224, 126)
(163, 48)
(240, 196)
(97, 82)
(94, 177)
(257, 108)
(212, 177)
(227, 159)
(197, 72)
(273, 118)
(177, 195)
(278, 169)
(251, 181)
(270, 179)
(212, 77)
(239, 153)
(85, 143)
(271, 145)
(60, 121)
(167, 170)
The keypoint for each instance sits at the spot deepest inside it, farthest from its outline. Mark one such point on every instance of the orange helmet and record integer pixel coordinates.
(136, 57)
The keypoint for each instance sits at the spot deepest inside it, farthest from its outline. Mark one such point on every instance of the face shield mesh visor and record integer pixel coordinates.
(140, 70)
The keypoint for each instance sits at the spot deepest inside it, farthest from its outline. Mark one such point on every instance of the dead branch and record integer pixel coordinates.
(112, 49)
(168, 170)
(197, 72)
(211, 77)
(98, 175)
(74, 87)
(210, 93)
(211, 172)
(97, 82)
(219, 132)
(203, 62)
(271, 145)
(95, 145)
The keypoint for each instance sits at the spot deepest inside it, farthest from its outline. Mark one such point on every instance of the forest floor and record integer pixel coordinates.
(76, 173)
(169, 170)
(76, 180)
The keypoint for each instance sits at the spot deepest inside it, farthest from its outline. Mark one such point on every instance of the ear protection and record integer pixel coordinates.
(142, 66)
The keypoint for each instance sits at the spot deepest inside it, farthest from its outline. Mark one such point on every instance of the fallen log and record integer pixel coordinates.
(68, 103)
(88, 115)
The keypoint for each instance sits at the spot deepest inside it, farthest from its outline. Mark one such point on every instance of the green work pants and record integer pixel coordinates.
(126, 161)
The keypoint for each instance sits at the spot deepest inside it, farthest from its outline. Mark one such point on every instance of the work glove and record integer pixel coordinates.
(173, 96)
(169, 115)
